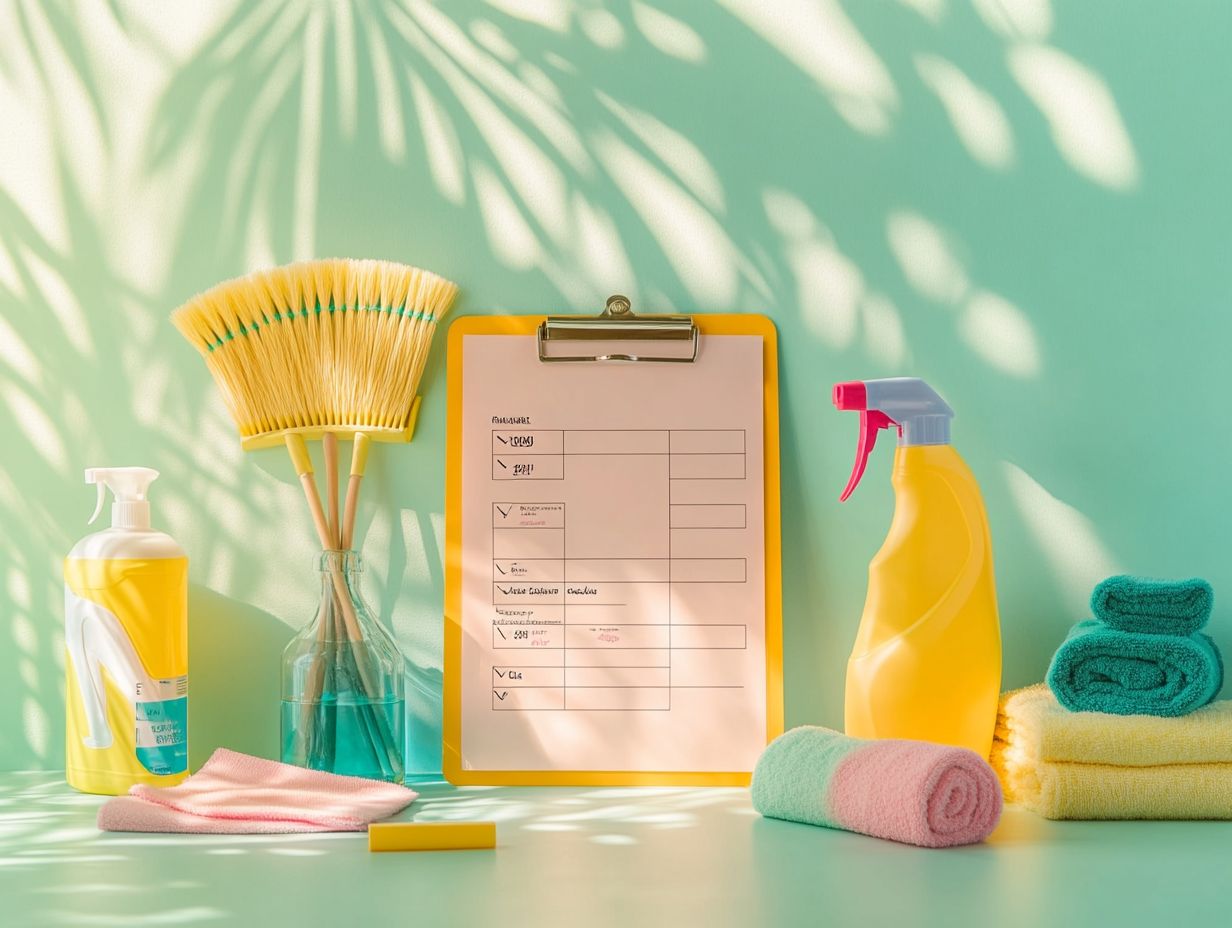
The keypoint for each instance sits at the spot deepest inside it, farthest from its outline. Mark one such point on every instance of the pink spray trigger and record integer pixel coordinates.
(872, 421)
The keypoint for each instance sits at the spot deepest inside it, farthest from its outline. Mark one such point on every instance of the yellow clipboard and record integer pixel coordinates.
(703, 325)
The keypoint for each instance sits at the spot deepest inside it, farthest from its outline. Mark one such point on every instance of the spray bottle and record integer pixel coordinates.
(927, 658)
(126, 632)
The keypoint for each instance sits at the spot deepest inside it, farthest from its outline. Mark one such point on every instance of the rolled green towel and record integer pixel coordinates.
(1101, 669)
(1162, 607)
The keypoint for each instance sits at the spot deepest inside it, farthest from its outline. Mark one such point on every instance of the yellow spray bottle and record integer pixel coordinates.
(126, 633)
(927, 659)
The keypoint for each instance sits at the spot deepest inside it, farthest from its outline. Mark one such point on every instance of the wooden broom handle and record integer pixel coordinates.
(359, 463)
(329, 444)
(303, 466)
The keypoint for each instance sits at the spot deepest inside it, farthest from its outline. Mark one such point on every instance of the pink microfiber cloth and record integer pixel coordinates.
(909, 791)
(235, 794)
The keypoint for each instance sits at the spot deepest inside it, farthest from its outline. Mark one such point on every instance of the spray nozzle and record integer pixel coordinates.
(919, 413)
(130, 486)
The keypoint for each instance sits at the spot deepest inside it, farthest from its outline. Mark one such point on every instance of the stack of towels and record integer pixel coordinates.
(1120, 731)
(1143, 653)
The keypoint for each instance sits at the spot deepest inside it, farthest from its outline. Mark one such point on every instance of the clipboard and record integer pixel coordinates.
(632, 342)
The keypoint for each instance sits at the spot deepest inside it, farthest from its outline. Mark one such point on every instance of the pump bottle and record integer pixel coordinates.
(126, 634)
(927, 658)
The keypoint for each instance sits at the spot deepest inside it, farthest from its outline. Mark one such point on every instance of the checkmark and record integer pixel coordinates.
(501, 440)
(500, 696)
(503, 590)
(499, 673)
(502, 463)
(504, 512)
(499, 632)
(501, 569)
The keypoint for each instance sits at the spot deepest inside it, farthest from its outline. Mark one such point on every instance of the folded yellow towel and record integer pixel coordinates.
(1088, 765)
(1045, 730)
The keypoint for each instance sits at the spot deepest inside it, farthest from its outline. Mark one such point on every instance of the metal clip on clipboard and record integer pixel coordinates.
(618, 322)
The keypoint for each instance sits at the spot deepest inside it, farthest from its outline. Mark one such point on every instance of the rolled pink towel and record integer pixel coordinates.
(236, 794)
(915, 792)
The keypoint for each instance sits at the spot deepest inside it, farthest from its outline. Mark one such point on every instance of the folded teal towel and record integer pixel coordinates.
(1101, 669)
(1164, 607)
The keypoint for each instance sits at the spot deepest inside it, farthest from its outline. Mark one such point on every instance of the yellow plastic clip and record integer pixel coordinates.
(298, 449)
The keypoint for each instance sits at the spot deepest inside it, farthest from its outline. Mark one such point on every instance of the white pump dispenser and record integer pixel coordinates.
(131, 487)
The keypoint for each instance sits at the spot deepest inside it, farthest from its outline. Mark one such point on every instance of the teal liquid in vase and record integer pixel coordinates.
(343, 707)
(353, 753)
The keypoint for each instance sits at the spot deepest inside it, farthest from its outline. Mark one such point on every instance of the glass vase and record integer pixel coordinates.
(342, 684)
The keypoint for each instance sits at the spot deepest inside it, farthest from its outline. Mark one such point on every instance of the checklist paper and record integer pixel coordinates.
(613, 578)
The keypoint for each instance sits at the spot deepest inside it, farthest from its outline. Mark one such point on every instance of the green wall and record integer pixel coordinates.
(1027, 205)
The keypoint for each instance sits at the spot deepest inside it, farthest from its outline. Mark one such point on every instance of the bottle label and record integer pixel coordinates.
(162, 725)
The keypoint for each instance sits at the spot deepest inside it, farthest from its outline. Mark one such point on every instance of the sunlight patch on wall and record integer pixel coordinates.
(9, 276)
(76, 421)
(465, 68)
(696, 246)
(221, 568)
(17, 585)
(274, 37)
(884, 339)
(346, 71)
(180, 35)
(278, 81)
(416, 552)
(601, 27)
(1000, 333)
(538, 81)
(24, 634)
(214, 450)
(1086, 124)
(440, 143)
(35, 726)
(926, 257)
(150, 379)
(668, 34)
(59, 298)
(550, 14)
(932, 10)
(830, 287)
(246, 29)
(489, 35)
(560, 63)
(68, 112)
(599, 251)
(673, 149)
(979, 122)
(533, 175)
(16, 356)
(788, 214)
(25, 151)
(308, 147)
(37, 426)
(536, 179)
(391, 130)
(513, 243)
(819, 39)
(28, 671)
(1066, 537)
(1016, 19)
(259, 248)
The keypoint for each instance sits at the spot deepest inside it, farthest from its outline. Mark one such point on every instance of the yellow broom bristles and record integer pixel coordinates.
(335, 345)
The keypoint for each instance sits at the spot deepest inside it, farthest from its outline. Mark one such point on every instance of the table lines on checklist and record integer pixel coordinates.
(617, 588)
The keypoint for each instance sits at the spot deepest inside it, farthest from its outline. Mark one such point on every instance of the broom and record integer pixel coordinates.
(322, 350)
